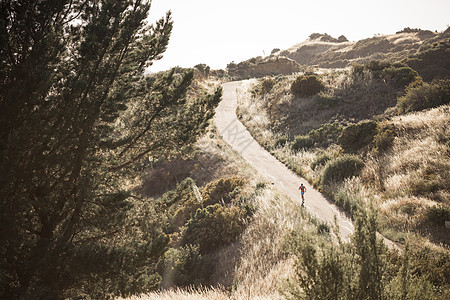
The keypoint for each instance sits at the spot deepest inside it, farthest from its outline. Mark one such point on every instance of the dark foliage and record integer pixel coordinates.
(306, 85)
(77, 115)
(215, 226)
(425, 95)
(302, 142)
(341, 168)
(357, 136)
(432, 60)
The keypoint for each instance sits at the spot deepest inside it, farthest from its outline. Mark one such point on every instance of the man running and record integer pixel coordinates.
(302, 189)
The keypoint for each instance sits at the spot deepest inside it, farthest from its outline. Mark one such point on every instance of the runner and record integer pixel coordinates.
(302, 189)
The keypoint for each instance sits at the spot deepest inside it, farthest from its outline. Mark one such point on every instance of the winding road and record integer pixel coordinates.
(235, 134)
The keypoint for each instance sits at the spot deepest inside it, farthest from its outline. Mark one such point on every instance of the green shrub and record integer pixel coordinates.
(424, 96)
(327, 133)
(325, 101)
(215, 226)
(433, 264)
(400, 75)
(376, 66)
(222, 190)
(343, 167)
(384, 138)
(267, 85)
(219, 190)
(281, 141)
(306, 85)
(320, 160)
(357, 136)
(184, 266)
(302, 142)
(438, 214)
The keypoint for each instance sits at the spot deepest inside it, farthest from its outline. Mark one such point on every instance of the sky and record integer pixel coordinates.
(217, 32)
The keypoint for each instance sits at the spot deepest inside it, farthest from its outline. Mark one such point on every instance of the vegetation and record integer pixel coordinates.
(396, 163)
(357, 136)
(215, 226)
(424, 95)
(306, 85)
(341, 168)
(361, 269)
(302, 142)
(78, 117)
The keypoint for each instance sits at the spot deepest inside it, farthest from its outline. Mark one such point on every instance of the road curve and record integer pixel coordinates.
(235, 134)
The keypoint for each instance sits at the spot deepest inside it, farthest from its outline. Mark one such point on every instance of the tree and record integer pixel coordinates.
(77, 114)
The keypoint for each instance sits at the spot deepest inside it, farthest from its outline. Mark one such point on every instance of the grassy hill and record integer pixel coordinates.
(426, 51)
(367, 139)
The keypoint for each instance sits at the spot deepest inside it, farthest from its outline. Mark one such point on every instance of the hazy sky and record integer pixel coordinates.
(216, 32)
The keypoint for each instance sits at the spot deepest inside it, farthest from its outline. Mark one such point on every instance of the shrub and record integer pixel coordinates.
(424, 96)
(219, 190)
(215, 226)
(184, 266)
(302, 142)
(325, 101)
(281, 141)
(343, 167)
(438, 214)
(320, 160)
(222, 190)
(384, 138)
(356, 136)
(376, 66)
(400, 75)
(306, 85)
(266, 85)
(327, 133)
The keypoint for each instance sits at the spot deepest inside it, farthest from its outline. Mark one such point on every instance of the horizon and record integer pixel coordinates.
(216, 34)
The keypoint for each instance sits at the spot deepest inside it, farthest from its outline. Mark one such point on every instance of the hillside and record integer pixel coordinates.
(426, 51)
(366, 140)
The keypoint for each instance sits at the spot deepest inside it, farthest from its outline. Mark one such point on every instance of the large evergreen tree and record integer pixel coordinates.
(77, 113)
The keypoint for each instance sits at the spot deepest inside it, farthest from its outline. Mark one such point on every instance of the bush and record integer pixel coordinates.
(424, 96)
(215, 226)
(281, 141)
(267, 85)
(220, 190)
(306, 85)
(384, 138)
(302, 142)
(325, 101)
(438, 214)
(341, 168)
(400, 75)
(327, 133)
(320, 160)
(184, 266)
(357, 136)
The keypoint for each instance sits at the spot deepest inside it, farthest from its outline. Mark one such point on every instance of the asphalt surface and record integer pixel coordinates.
(235, 134)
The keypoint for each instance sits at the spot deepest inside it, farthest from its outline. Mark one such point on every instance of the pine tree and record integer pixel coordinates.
(77, 114)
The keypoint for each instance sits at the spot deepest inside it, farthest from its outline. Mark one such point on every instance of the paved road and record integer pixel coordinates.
(235, 134)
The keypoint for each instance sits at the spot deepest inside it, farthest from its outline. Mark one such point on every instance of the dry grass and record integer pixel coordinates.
(403, 182)
(415, 173)
(264, 265)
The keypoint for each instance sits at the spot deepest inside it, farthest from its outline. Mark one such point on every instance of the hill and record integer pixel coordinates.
(366, 140)
(426, 51)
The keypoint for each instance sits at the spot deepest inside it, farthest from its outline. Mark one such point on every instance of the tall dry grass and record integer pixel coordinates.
(264, 265)
(415, 173)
